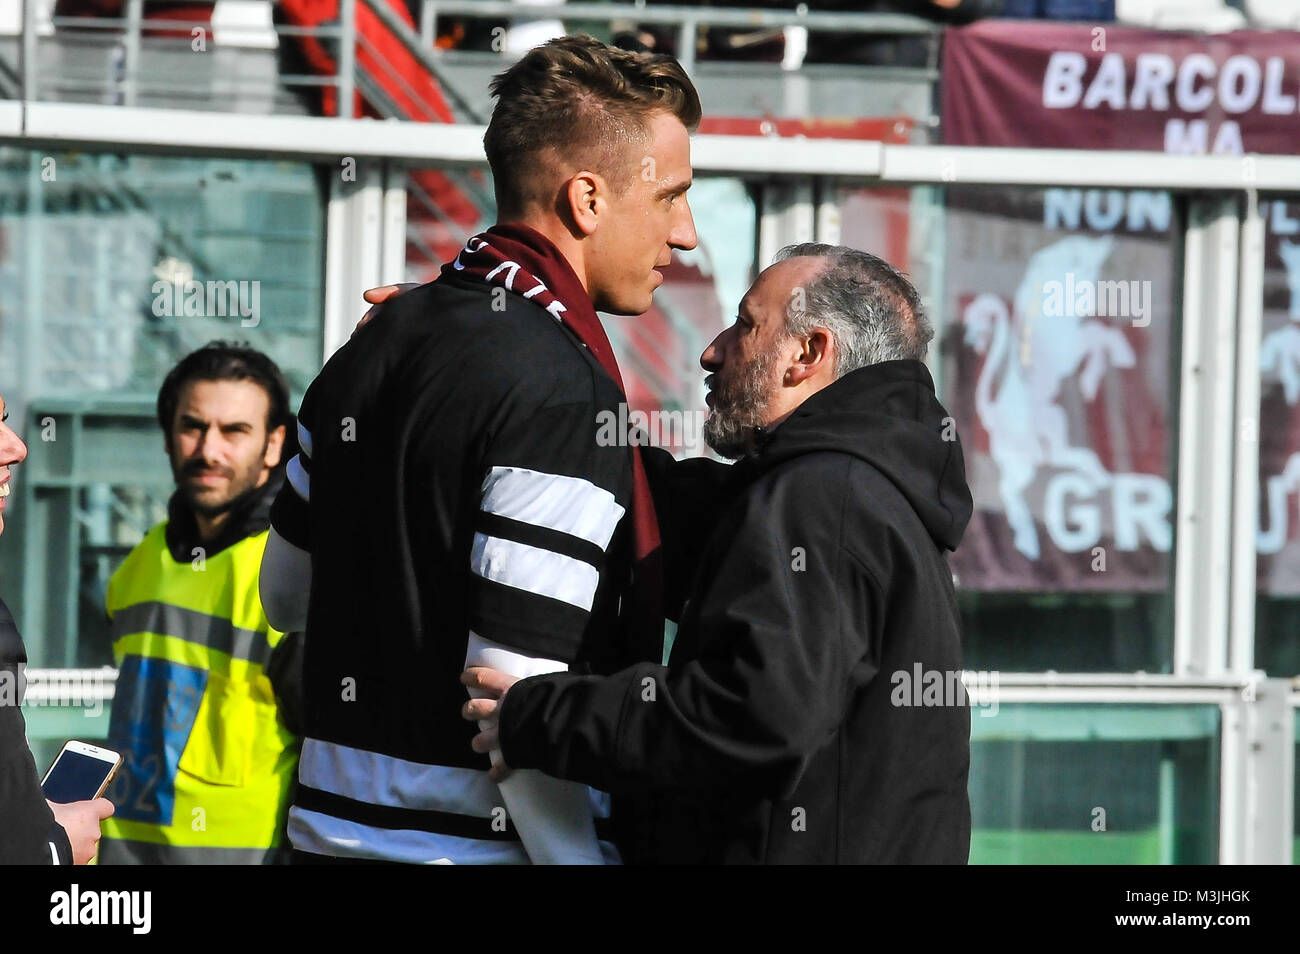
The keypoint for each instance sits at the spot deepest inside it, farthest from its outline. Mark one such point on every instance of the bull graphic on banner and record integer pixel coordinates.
(1060, 328)
(1031, 372)
(1029, 352)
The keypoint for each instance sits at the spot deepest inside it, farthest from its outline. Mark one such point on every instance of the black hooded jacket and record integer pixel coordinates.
(788, 726)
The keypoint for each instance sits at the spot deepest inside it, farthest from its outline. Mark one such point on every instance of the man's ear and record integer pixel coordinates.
(815, 355)
(274, 447)
(584, 198)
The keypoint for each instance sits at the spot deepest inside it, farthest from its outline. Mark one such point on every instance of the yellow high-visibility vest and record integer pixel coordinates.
(208, 763)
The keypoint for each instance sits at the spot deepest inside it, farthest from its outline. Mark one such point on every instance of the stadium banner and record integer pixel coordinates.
(1063, 302)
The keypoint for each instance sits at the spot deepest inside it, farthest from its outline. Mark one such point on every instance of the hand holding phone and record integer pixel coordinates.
(81, 772)
(73, 786)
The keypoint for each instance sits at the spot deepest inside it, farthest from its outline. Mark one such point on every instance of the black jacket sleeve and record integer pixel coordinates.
(284, 670)
(290, 512)
(786, 624)
(550, 502)
(27, 826)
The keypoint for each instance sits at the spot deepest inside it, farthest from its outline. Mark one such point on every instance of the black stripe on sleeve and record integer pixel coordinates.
(534, 624)
(495, 525)
(291, 517)
(412, 819)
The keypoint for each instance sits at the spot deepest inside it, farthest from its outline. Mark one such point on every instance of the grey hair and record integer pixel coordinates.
(872, 311)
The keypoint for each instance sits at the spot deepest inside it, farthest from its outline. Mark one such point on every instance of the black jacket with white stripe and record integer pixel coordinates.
(451, 480)
(818, 588)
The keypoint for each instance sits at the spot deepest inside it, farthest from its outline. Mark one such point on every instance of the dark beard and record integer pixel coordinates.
(738, 408)
(216, 510)
(241, 495)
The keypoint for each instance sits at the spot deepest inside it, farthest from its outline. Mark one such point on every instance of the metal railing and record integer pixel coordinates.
(128, 36)
(128, 41)
(686, 19)
(125, 39)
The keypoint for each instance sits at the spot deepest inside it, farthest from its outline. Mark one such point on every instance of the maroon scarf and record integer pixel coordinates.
(525, 262)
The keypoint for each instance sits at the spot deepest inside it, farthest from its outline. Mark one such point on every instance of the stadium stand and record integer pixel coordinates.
(1212, 16)
(1274, 14)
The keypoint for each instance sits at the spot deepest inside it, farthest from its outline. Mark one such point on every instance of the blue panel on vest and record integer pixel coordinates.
(154, 707)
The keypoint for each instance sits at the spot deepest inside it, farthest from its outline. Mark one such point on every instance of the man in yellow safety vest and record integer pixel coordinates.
(207, 692)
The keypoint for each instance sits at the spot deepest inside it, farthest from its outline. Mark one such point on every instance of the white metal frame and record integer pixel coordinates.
(365, 243)
(1203, 527)
(788, 214)
(69, 125)
(1257, 775)
(1246, 437)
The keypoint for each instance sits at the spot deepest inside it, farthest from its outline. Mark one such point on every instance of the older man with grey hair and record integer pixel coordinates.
(811, 709)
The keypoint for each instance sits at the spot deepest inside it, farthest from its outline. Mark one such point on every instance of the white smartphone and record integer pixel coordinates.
(80, 772)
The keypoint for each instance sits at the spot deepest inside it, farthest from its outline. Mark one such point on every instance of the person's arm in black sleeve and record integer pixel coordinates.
(688, 495)
(285, 672)
(28, 832)
(284, 583)
(29, 835)
(550, 501)
(60, 847)
(766, 688)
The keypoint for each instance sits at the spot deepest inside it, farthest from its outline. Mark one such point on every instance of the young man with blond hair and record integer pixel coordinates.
(451, 504)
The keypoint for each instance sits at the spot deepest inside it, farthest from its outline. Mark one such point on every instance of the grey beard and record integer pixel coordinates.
(738, 410)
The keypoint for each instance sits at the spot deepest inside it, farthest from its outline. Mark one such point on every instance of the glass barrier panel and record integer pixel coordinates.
(1094, 784)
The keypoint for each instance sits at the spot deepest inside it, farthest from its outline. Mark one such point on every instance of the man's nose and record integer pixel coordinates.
(208, 444)
(711, 359)
(12, 448)
(684, 236)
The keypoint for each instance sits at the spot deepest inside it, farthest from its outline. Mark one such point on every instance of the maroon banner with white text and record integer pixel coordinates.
(1076, 86)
